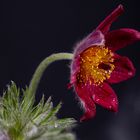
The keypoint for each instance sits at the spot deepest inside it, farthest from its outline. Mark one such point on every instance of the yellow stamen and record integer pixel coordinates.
(96, 65)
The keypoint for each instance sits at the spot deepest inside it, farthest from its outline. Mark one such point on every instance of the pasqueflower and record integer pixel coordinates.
(96, 65)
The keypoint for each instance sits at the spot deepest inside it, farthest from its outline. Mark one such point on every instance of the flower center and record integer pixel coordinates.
(96, 65)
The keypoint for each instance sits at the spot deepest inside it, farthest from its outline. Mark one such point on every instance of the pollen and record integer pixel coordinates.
(96, 65)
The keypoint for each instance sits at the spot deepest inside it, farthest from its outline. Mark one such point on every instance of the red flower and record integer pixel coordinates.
(96, 65)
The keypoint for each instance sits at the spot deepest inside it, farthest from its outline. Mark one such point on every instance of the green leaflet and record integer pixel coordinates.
(21, 120)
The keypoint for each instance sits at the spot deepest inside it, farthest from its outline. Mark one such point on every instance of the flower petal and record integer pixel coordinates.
(105, 96)
(86, 101)
(96, 38)
(124, 69)
(104, 26)
(120, 38)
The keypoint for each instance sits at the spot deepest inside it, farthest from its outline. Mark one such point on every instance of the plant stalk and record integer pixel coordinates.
(42, 67)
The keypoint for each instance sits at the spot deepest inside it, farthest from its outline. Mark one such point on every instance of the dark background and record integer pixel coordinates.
(30, 30)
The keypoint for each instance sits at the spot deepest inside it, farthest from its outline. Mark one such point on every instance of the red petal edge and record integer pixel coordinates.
(104, 26)
(93, 39)
(105, 96)
(86, 102)
(120, 38)
(124, 69)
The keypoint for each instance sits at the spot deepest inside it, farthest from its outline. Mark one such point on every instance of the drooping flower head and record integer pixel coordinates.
(96, 65)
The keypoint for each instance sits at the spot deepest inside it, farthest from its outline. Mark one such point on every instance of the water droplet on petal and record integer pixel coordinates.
(110, 107)
(97, 100)
(130, 73)
(114, 100)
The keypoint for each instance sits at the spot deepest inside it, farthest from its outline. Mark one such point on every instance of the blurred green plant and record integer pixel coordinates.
(21, 119)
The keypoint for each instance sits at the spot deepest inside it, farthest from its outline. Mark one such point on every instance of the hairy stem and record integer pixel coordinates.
(42, 67)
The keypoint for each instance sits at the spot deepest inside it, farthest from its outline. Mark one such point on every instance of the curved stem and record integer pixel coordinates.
(42, 67)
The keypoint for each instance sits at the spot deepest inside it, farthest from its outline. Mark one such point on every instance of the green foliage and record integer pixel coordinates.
(21, 120)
